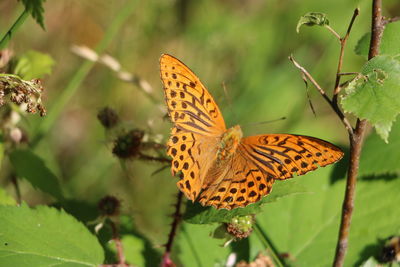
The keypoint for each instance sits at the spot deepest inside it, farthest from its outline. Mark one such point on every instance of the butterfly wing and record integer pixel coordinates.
(259, 161)
(283, 155)
(242, 183)
(190, 105)
(198, 124)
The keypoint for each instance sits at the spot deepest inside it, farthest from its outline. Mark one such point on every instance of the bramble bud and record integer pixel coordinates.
(108, 117)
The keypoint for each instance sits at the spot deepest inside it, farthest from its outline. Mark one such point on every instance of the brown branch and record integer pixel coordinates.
(343, 42)
(356, 145)
(15, 183)
(339, 113)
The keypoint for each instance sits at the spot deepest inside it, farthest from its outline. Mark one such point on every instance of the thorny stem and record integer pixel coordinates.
(177, 218)
(355, 146)
(324, 95)
(120, 249)
(118, 244)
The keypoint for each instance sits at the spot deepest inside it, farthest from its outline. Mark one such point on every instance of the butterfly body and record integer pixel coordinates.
(218, 166)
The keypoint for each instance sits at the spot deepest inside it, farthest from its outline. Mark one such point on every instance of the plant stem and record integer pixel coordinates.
(356, 145)
(268, 244)
(7, 37)
(177, 218)
(75, 82)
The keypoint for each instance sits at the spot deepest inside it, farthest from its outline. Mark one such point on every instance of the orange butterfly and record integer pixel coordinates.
(218, 166)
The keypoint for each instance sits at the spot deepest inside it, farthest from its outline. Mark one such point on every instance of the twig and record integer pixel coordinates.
(324, 95)
(333, 32)
(343, 42)
(386, 21)
(355, 147)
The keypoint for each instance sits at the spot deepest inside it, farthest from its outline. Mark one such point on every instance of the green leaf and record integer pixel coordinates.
(34, 170)
(197, 248)
(371, 262)
(5, 199)
(374, 95)
(45, 236)
(197, 214)
(389, 43)
(306, 226)
(312, 19)
(35, 7)
(33, 64)
(372, 162)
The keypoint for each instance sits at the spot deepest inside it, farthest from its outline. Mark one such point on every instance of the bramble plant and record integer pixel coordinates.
(77, 191)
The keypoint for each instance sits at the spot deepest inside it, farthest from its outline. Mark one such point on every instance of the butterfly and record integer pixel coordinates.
(218, 166)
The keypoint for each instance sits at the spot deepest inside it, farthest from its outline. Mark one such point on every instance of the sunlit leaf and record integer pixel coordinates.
(374, 95)
(45, 236)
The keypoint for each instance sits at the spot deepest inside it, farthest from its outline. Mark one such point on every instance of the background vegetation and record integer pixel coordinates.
(243, 44)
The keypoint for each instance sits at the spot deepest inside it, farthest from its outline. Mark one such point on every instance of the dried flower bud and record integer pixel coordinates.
(128, 145)
(240, 226)
(108, 117)
(109, 206)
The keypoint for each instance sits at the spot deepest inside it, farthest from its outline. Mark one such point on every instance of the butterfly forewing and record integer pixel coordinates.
(190, 106)
(283, 155)
(191, 155)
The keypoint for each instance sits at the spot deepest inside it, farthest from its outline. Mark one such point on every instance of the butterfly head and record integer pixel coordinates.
(229, 142)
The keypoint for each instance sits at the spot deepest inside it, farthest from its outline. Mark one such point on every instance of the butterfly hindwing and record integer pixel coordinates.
(283, 155)
(241, 184)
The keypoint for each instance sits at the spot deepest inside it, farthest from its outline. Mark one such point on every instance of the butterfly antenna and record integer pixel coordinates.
(308, 94)
(229, 101)
(263, 122)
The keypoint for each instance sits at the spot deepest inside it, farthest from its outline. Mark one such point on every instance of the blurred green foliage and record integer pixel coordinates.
(243, 44)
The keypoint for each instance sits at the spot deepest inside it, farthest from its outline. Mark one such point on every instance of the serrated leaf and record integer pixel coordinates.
(372, 162)
(389, 43)
(33, 65)
(197, 214)
(45, 236)
(5, 199)
(312, 19)
(374, 95)
(35, 7)
(33, 169)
